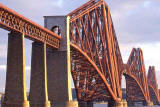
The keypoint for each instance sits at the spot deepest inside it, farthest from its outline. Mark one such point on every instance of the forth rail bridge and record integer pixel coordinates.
(82, 43)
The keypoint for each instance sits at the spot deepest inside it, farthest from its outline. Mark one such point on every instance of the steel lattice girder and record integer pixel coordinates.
(97, 65)
(12, 21)
(136, 80)
(96, 60)
(153, 86)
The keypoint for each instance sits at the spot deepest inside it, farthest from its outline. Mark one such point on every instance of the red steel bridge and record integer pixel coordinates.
(96, 62)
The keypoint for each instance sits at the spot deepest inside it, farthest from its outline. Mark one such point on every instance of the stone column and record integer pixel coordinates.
(59, 66)
(15, 91)
(59, 83)
(38, 88)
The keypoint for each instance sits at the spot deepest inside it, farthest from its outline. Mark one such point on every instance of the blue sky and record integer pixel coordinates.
(136, 24)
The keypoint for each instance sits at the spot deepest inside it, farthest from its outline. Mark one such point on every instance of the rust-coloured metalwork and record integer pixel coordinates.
(96, 61)
(12, 21)
(136, 80)
(153, 86)
(95, 54)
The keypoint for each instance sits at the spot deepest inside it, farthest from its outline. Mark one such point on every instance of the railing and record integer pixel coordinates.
(12, 21)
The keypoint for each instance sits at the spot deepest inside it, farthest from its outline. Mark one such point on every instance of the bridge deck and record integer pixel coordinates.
(12, 21)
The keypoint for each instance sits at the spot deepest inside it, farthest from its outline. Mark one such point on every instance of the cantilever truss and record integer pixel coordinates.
(96, 60)
(97, 65)
(136, 80)
(153, 86)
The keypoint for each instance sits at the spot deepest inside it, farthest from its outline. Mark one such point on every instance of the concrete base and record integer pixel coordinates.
(124, 103)
(65, 104)
(115, 104)
(46, 104)
(148, 103)
(24, 104)
(85, 104)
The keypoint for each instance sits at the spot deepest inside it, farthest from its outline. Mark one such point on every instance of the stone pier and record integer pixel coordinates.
(59, 65)
(38, 89)
(147, 103)
(115, 104)
(85, 104)
(15, 91)
(124, 103)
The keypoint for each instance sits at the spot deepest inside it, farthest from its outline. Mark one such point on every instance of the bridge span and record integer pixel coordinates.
(83, 44)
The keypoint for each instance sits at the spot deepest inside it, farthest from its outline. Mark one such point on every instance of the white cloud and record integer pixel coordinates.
(2, 67)
(3, 51)
(151, 52)
(57, 3)
(135, 23)
(146, 4)
(27, 68)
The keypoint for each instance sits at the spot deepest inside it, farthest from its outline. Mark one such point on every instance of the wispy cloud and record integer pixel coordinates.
(3, 51)
(134, 22)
